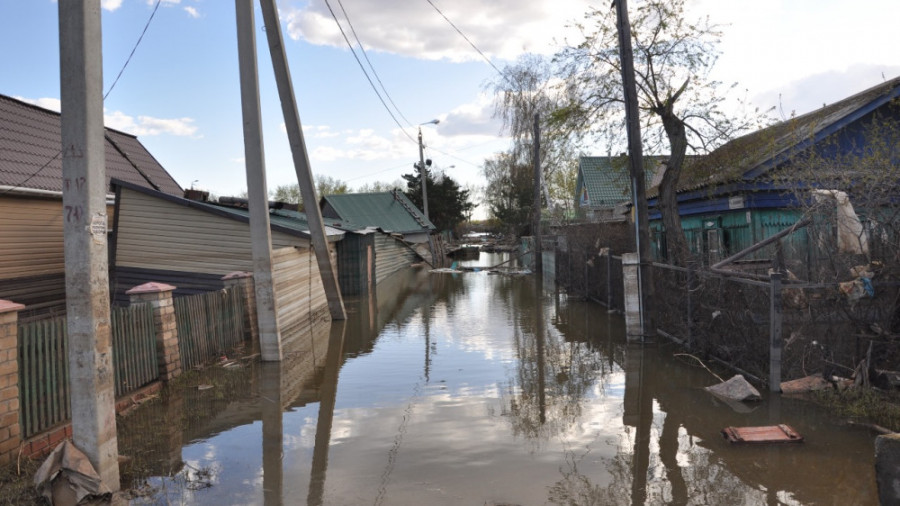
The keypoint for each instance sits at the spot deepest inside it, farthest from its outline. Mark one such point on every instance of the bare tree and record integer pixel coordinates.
(524, 89)
(682, 108)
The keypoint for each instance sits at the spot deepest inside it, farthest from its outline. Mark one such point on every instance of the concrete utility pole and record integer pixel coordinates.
(423, 169)
(258, 200)
(423, 175)
(636, 166)
(84, 229)
(538, 247)
(301, 159)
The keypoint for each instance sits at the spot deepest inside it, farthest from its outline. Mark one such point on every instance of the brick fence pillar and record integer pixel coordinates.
(159, 295)
(251, 324)
(10, 431)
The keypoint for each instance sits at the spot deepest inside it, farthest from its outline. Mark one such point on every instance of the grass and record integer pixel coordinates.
(864, 405)
(16, 486)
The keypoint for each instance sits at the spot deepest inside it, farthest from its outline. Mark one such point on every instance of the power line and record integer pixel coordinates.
(467, 39)
(371, 84)
(113, 85)
(136, 44)
(366, 55)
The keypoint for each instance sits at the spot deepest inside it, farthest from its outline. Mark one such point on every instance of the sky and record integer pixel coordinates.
(180, 92)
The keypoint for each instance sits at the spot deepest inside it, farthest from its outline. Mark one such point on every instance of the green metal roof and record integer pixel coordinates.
(389, 211)
(603, 181)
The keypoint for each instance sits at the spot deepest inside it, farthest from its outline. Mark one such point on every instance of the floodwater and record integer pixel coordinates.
(473, 389)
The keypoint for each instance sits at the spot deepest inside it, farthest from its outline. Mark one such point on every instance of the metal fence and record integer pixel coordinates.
(43, 375)
(209, 324)
(44, 367)
(134, 347)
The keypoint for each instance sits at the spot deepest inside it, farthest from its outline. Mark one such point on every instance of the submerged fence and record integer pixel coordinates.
(768, 329)
(209, 324)
(44, 367)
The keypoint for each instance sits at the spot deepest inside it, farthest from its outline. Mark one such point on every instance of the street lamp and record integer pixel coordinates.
(422, 167)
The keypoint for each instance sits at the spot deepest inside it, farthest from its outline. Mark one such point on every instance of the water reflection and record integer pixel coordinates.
(480, 389)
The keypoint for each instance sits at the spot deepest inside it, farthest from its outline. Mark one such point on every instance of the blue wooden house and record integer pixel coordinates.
(743, 192)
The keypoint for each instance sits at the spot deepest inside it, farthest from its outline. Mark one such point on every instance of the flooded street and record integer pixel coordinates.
(476, 388)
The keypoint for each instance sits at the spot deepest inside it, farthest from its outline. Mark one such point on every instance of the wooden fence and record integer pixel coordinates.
(44, 367)
(209, 325)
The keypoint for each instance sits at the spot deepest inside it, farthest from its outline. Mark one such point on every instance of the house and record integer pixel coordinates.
(603, 185)
(32, 266)
(192, 245)
(391, 212)
(384, 231)
(745, 191)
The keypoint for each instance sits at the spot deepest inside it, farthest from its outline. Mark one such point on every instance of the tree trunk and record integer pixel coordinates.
(677, 247)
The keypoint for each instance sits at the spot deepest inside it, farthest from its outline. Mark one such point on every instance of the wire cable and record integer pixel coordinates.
(374, 72)
(371, 84)
(466, 38)
(136, 44)
(113, 85)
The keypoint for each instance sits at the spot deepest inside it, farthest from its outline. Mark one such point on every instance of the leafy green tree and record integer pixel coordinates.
(509, 193)
(448, 204)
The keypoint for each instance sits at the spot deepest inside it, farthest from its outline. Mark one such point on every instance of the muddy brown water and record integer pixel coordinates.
(475, 389)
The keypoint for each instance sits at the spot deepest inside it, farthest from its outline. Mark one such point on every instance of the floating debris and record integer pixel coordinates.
(762, 435)
(737, 388)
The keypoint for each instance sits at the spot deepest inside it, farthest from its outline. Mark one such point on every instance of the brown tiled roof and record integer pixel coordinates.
(30, 142)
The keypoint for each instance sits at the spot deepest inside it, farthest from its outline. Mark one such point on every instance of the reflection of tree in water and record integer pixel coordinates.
(702, 479)
(553, 375)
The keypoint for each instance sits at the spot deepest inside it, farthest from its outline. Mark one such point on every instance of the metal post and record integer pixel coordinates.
(538, 253)
(84, 229)
(775, 338)
(258, 201)
(690, 306)
(636, 166)
(301, 159)
(423, 173)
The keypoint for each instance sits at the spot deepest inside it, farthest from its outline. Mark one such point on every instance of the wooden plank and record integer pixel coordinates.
(762, 435)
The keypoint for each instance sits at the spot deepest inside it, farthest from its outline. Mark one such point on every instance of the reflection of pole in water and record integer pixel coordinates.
(539, 340)
(426, 315)
(327, 396)
(639, 414)
(272, 431)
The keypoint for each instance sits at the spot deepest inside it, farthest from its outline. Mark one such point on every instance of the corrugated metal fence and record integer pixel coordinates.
(208, 324)
(44, 367)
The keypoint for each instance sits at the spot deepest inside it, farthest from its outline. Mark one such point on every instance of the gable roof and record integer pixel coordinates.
(30, 141)
(755, 154)
(282, 220)
(607, 179)
(390, 211)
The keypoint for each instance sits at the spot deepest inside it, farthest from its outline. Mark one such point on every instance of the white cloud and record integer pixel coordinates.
(110, 5)
(148, 125)
(53, 104)
(192, 12)
(500, 28)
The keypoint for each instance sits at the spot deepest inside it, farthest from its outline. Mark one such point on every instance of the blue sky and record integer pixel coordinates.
(180, 91)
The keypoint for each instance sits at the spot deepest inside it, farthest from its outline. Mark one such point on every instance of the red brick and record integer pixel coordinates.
(8, 342)
(9, 393)
(57, 435)
(9, 445)
(15, 430)
(9, 368)
(9, 419)
(69, 430)
(4, 433)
